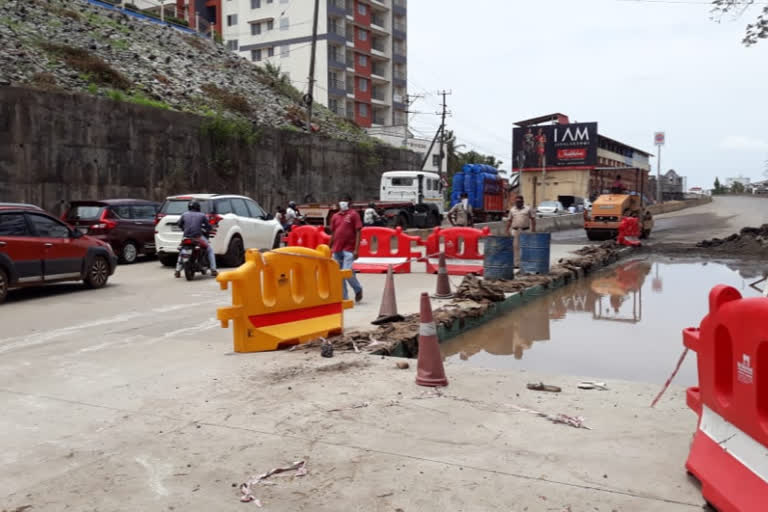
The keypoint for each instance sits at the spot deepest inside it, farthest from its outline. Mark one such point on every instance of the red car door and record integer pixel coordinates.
(19, 250)
(64, 255)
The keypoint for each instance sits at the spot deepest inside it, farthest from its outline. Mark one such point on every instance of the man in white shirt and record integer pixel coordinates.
(521, 218)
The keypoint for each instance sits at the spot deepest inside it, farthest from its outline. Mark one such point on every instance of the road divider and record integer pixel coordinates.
(284, 297)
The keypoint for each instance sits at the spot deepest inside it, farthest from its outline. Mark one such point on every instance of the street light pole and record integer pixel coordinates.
(659, 198)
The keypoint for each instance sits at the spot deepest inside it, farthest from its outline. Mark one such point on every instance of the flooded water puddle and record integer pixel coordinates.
(623, 323)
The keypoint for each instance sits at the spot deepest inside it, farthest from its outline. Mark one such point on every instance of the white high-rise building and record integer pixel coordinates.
(361, 57)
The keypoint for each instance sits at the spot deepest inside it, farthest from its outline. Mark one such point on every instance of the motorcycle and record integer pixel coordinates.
(194, 257)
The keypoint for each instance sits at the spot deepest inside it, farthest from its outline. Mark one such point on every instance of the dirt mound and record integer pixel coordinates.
(748, 242)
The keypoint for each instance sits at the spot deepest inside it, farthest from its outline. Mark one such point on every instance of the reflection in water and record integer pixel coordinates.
(601, 326)
(520, 334)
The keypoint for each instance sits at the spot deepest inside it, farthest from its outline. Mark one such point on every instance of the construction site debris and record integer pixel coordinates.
(403, 365)
(748, 242)
(540, 386)
(326, 348)
(299, 466)
(588, 384)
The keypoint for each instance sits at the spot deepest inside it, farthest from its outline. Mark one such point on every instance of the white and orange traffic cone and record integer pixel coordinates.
(443, 290)
(388, 309)
(430, 370)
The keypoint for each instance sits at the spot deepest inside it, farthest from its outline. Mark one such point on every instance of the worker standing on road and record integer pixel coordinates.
(461, 213)
(291, 215)
(521, 218)
(345, 243)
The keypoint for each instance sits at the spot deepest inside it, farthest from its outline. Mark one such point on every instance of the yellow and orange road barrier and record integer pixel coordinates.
(284, 297)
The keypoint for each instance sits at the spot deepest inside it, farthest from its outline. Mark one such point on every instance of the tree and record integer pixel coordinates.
(737, 188)
(718, 187)
(276, 75)
(754, 31)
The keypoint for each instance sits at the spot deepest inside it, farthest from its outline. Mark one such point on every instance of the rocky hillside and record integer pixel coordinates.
(71, 45)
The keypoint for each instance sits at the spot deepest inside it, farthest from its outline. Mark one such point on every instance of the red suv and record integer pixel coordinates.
(128, 225)
(37, 248)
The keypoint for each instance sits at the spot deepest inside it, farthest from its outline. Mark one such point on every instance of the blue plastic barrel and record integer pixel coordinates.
(534, 252)
(499, 257)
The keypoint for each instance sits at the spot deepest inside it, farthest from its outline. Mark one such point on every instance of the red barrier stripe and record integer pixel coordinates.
(295, 315)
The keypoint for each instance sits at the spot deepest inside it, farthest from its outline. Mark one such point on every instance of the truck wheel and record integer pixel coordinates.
(434, 219)
(645, 233)
(592, 235)
(402, 221)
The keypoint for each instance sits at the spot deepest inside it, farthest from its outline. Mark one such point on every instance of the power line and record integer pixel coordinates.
(689, 2)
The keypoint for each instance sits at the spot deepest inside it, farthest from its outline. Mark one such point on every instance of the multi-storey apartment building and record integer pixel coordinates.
(361, 57)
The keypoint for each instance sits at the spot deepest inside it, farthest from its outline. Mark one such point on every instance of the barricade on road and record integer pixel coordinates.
(629, 227)
(729, 453)
(376, 260)
(461, 248)
(307, 236)
(284, 297)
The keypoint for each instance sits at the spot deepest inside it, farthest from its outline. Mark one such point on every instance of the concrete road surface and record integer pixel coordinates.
(130, 398)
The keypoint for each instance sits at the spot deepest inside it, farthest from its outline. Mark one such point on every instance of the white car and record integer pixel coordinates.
(550, 208)
(237, 222)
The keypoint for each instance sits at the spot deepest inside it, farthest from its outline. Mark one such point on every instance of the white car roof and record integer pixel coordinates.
(204, 196)
(410, 174)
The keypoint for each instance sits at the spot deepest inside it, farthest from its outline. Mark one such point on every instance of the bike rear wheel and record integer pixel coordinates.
(189, 272)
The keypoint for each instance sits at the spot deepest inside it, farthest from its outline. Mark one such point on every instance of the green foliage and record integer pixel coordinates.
(140, 99)
(233, 101)
(90, 65)
(754, 31)
(115, 95)
(223, 130)
(120, 44)
(93, 88)
(738, 188)
(457, 159)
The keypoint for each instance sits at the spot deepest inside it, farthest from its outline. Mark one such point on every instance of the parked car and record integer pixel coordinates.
(238, 223)
(550, 208)
(128, 225)
(37, 248)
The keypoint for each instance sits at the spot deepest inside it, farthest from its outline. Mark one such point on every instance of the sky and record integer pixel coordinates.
(635, 67)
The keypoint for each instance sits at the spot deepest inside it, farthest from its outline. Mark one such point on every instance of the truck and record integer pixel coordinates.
(486, 190)
(408, 199)
(608, 210)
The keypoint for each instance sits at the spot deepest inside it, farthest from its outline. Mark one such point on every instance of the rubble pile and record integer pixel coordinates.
(474, 297)
(74, 46)
(748, 242)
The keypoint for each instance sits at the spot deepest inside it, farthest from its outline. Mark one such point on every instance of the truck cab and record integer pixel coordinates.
(415, 187)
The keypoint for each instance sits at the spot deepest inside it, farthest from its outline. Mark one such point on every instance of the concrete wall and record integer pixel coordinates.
(673, 206)
(56, 147)
(557, 183)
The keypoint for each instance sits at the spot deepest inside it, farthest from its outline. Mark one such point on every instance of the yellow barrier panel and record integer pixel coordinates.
(284, 297)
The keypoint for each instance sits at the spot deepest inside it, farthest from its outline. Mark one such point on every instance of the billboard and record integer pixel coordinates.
(557, 145)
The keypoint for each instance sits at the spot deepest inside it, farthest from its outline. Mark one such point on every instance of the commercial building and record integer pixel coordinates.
(361, 56)
(562, 161)
(743, 180)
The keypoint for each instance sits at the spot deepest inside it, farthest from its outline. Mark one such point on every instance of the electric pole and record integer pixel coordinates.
(308, 98)
(444, 112)
(409, 100)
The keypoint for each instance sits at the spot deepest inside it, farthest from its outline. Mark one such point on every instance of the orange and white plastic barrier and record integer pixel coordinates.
(729, 453)
(376, 260)
(461, 247)
(307, 236)
(284, 297)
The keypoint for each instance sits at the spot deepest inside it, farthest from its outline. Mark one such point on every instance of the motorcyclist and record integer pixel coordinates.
(195, 225)
(371, 217)
(291, 215)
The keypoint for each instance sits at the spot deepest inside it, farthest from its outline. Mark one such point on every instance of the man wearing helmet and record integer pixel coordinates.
(195, 225)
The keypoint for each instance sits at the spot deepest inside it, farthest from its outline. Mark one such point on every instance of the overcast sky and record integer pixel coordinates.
(635, 67)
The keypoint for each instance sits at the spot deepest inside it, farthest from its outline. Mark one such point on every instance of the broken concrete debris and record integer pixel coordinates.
(246, 491)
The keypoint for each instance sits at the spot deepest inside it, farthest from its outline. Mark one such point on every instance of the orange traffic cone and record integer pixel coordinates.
(443, 283)
(388, 309)
(430, 371)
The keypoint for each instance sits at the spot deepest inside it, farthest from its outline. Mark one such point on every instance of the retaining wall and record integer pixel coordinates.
(57, 147)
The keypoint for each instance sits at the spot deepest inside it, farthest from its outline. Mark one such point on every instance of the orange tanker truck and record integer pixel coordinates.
(608, 210)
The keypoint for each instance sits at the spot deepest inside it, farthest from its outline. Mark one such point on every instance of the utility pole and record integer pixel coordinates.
(659, 197)
(309, 99)
(444, 112)
(409, 100)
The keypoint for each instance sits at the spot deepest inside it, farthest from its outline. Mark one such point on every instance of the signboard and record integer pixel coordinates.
(557, 145)
(658, 138)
